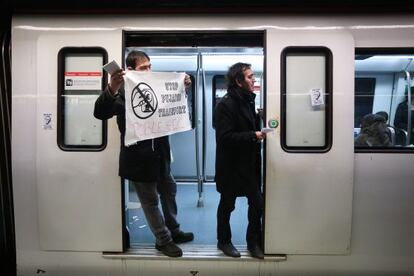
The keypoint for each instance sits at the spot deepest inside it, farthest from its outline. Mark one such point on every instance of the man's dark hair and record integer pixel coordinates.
(383, 114)
(134, 57)
(236, 73)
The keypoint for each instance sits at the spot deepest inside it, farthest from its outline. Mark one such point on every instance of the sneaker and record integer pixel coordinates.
(228, 249)
(170, 249)
(181, 237)
(256, 251)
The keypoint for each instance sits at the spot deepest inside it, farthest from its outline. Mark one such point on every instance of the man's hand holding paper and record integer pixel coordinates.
(117, 76)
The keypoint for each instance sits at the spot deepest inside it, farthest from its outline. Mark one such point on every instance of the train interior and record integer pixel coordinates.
(383, 81)
(193, 152)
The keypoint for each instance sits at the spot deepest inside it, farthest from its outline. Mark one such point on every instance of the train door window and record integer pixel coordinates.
(219, 89)
(191, 101)
(257, 89)
(80, 81)
(306, 104)
(384, 106)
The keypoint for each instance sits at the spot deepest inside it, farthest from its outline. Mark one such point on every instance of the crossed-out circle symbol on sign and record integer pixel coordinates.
(144, 101)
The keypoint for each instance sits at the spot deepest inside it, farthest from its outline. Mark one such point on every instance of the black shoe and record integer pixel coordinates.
(228, 249)
(256, 251)
(181, 237)
(170, 249)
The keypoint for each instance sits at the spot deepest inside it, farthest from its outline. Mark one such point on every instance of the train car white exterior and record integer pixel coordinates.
(67, 205)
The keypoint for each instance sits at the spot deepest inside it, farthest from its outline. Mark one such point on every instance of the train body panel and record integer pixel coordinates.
(54, 168)
(67, 204)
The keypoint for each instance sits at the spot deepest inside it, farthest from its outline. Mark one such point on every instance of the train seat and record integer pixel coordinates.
(400, 136)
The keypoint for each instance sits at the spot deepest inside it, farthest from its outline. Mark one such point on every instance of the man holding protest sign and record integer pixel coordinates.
(145, 163)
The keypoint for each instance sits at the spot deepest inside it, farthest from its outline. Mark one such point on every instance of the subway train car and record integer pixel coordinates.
(333, 206)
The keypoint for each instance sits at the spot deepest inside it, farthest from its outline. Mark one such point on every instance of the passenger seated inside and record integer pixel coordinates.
(391, 129)
(374, 132)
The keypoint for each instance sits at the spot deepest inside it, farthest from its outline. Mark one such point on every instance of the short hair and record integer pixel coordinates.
(134, 57)
(369, 119)
(236, 73)
(383, 114)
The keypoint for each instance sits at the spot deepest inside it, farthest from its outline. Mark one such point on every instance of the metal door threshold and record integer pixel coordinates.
(190, 252)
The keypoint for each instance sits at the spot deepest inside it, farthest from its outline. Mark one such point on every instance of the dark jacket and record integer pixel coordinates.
(401, 118)
(145, 161)
(237, 151)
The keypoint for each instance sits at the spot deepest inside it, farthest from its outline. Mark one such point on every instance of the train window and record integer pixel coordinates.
(384, 106)
(219, 89)
(191, 102)
(364, 98)
(306, 99)
(80, 81)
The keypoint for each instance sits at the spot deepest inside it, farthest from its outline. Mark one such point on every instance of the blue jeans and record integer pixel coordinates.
(161, 225)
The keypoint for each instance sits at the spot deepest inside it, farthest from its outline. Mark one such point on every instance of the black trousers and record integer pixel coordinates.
(255, 211)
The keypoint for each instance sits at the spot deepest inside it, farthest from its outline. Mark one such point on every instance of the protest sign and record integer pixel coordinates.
(155, 105)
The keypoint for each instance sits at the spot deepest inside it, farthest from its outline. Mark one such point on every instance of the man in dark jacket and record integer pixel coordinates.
(146, 164)
(238, 159)
(401, 117)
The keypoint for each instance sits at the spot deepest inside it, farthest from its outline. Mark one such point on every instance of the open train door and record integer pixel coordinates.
(309, 156)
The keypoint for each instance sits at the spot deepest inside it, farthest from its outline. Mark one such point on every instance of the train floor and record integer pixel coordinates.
(199, 220)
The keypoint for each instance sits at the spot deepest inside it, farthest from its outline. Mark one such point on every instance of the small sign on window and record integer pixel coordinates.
(47, 121)
(316, 96)
(83, 80)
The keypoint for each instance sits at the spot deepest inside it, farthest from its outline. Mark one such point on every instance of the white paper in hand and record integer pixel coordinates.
(111, 67)
(267, 130)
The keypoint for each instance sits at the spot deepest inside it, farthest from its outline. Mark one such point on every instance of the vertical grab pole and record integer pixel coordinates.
(409, 125)
(203, 80)
(200, 202)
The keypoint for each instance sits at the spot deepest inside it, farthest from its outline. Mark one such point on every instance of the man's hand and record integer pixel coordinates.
(187, 82)
(260, 135)
(117, 79)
